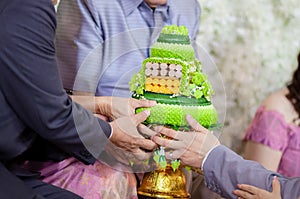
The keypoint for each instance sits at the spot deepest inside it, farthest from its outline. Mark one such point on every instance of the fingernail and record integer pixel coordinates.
(147, 112)
(275, 178)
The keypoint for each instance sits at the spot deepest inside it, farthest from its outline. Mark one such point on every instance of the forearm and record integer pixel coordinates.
(224, 169)
(87, 101)
(101, 105)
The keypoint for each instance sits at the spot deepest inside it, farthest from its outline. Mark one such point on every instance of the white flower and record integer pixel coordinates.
(254, 45)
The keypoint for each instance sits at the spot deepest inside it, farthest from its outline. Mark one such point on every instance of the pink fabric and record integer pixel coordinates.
(269, 128)
(97, 181)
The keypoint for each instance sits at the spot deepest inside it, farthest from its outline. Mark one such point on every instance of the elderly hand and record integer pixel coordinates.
(111, 107)
(116, 107)
(190, 147)
(250, 192)
(127, 137)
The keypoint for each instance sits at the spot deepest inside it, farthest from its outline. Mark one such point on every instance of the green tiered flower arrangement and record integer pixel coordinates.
(173, 77)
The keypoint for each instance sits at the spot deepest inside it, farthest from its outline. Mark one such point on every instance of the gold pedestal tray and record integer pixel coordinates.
(161, 184)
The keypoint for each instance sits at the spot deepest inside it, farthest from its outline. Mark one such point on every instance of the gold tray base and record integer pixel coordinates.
(163, 184)
(157, 196)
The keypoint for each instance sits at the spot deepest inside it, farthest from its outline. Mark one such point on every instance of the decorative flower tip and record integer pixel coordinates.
(156, 156)
(175, 164)
(131, 163)
(198, 78)
(163, 162)
(198, 94)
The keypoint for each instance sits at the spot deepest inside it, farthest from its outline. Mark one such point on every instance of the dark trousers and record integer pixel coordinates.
(16, 183)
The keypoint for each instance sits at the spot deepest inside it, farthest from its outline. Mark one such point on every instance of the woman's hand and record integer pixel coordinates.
(251, 192)
(189, 147)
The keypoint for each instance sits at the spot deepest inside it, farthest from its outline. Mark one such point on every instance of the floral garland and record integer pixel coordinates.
(254, 45)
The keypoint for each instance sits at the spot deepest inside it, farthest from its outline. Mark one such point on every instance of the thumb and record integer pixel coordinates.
(276, 186)
(195, 124)
(140, 117)
(144, 103)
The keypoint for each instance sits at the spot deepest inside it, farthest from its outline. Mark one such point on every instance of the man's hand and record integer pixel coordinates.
(190, 147)
(127, 137)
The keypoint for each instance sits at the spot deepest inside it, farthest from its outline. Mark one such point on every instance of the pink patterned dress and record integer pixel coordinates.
(269, 128)
(97, 181)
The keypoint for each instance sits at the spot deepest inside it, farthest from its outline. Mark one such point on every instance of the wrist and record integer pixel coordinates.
(85, 101)
(111, 131)
(103, 106)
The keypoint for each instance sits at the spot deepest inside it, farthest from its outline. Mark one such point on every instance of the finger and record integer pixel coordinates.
(140, 117)
(166, 131)
(142, 103)
(146, 131)
(243, 194)
(167, 143)
(276, 186)
(173, 155)
(141, 155)
(248, 188)
(146, 144)
(171, 133)
(195, 124)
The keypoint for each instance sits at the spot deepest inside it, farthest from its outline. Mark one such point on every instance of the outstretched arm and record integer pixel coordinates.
(111, 107)
(224, 169)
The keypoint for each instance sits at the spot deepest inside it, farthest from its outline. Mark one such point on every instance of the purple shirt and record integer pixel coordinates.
(270, 128)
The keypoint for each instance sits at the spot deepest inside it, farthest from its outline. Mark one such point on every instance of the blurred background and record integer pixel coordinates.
(254, 45)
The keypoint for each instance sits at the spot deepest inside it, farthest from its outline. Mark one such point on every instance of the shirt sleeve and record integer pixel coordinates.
(79, 40)
(224, 169)
(269, 128)
(31, 82)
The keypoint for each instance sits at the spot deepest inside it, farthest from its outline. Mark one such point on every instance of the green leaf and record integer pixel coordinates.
(146, 162)
(131, 163)
(162, 162)
(198, 94)
(156, 156)
(175, 164)
(188, 168)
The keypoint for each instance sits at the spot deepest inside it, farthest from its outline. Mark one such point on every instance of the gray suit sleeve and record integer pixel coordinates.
(224, 169)
(32, 84)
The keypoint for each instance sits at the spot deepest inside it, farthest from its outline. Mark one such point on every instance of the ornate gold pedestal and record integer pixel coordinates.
(161, 184)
